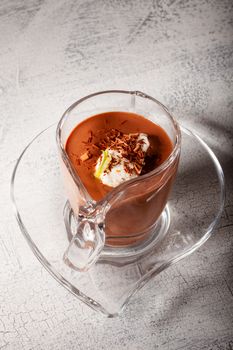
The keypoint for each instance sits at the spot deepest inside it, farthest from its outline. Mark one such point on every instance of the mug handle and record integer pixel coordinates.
(86, 245)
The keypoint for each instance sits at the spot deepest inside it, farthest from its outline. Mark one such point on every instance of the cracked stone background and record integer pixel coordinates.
(54, 52)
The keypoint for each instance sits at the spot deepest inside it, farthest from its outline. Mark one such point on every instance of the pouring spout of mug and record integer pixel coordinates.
(86, 245)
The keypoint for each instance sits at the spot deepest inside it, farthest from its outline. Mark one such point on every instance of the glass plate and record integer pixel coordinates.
(194, 208)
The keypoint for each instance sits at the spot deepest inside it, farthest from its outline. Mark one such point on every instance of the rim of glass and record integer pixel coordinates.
(121, 187)
(154, 271)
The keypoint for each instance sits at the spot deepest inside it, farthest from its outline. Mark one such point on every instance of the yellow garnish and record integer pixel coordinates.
(105, 160)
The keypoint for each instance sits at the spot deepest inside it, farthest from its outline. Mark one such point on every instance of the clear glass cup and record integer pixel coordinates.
(128, 218)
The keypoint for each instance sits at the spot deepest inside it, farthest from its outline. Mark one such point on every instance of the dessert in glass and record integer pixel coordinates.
(119, 153)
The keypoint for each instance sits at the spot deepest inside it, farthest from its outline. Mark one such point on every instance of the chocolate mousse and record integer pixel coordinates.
(110, 148)
(130, 140)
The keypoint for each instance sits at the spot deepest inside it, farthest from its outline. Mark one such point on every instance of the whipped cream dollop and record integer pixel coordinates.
(112, 167)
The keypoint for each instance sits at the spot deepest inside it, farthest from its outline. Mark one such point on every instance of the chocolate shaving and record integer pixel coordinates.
(95, 146)
(128, 145)
(90, 137)
(85, 156)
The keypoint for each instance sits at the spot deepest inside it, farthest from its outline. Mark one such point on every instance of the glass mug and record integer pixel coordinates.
(126, 219)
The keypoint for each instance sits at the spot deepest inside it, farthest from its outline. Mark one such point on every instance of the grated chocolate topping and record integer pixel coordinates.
(135, 160)
(128, 146)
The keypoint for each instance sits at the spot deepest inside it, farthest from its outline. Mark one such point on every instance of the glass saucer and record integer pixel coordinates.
(194, 209)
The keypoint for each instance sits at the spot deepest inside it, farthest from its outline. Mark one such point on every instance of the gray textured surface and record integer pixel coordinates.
(52, 53)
